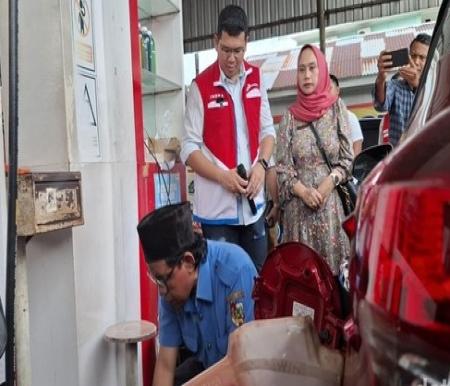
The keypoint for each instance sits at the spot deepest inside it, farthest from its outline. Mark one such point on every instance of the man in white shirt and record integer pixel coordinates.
(228, 123)
(353, 122)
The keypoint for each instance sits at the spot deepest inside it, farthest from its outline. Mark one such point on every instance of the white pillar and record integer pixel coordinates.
(84, 279)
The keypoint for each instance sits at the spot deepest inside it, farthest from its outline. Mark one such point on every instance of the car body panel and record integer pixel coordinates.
(402, 318)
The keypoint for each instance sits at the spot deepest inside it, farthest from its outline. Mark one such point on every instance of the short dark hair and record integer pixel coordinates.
(198, 250)
(421, 38)
(334, 79)
(233, 20)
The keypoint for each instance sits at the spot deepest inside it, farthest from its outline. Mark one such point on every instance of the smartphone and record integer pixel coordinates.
(243, 174)
(399, 57)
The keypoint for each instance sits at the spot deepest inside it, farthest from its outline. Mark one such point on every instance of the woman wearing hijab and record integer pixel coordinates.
(312, 210)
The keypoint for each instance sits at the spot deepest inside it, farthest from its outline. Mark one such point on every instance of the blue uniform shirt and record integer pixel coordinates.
(223, 301)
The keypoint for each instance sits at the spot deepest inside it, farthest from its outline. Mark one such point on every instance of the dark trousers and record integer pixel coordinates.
(252, 238)
(344, 297)
(187, 370)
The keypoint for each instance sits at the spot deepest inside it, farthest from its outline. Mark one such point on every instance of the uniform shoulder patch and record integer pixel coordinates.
(236, 295)
(236, 308)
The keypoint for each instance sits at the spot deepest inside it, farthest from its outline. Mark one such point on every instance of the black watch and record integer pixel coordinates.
(263, 163)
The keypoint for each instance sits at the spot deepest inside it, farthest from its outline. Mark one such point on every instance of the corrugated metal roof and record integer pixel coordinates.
(291, 61)
(269, 18)
(347, 58)
(372, 49)
(284, 80)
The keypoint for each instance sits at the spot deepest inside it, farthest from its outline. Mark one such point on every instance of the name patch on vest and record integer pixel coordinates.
(217, 101)
(216, 105)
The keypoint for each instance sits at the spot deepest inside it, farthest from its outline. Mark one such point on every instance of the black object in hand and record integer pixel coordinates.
(399, 57)
(243, 174)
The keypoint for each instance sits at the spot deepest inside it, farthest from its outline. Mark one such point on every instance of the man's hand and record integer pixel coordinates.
(256, 181)
(411, 73)
(231, 181)
(384, 64)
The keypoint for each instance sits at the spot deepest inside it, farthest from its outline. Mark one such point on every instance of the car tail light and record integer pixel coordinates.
(409, 256)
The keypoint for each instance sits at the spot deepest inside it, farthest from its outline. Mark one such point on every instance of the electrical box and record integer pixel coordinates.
(48, 201)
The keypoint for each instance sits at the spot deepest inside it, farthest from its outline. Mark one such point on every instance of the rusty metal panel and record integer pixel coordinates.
(48, 201)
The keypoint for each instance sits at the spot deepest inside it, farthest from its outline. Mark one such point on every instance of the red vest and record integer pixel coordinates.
(219, 126)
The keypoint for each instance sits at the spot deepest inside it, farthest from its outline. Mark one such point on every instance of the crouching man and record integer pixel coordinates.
(205, 290)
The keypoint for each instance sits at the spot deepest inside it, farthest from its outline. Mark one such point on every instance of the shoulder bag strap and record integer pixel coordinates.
(320, 146)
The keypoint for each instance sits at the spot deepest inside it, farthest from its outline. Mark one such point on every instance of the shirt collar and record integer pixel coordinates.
(225, 80)
(204, 285)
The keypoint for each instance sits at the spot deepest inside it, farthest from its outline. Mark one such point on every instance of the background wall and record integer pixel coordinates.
(84, 279)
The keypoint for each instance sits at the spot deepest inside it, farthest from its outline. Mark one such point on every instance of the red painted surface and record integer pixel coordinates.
(145, 198)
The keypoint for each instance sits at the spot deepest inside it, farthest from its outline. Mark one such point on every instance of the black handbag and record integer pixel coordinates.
(347, 194)
(347, 189)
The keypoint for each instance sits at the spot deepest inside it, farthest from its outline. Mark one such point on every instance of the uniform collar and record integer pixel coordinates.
(204, 285)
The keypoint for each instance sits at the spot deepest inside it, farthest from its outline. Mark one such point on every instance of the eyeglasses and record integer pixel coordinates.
(162, 281)
(232, 51)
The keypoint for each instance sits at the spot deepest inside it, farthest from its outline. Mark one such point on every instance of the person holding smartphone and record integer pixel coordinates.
(396, 96)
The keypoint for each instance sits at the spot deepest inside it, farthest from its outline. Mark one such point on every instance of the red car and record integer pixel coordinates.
(399, 332)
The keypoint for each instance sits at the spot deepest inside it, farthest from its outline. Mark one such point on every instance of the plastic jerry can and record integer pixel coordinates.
(283, 351)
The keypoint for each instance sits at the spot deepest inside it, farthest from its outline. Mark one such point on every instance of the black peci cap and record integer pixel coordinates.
(166, 232)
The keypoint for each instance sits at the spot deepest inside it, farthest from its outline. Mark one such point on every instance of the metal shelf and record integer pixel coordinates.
(153, 84)
(154, 8)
